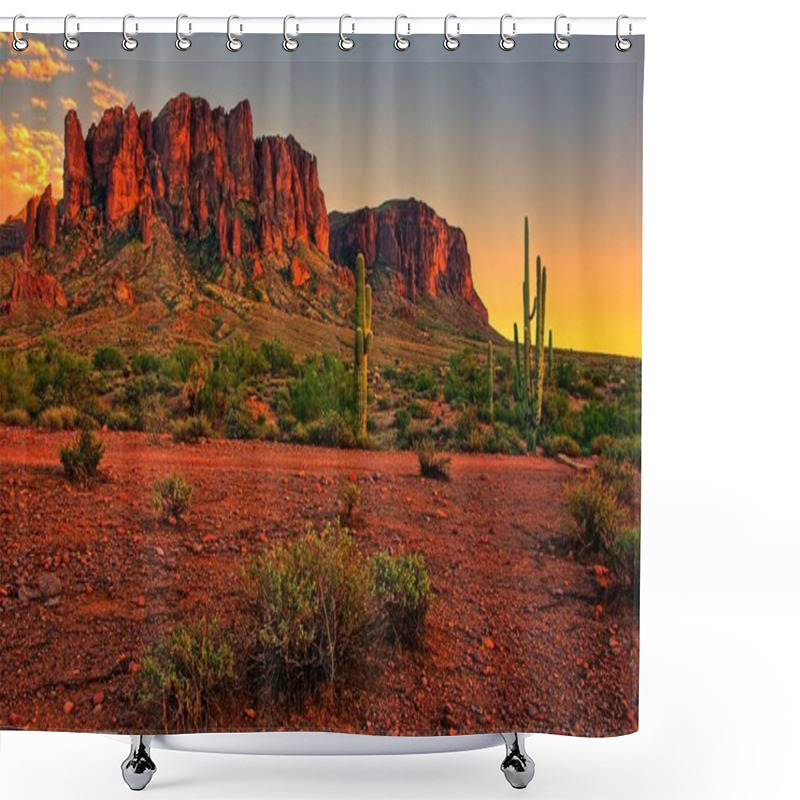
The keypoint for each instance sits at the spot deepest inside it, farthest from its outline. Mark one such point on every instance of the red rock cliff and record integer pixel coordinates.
(194, 166)
(426, 256)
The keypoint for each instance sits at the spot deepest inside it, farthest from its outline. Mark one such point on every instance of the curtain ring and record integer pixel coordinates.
(70, 42)
(233, 44)
(622, 44)
(507, 42)
(18, 43)
(451, 42)
(400, 42)
(345, 43)
(560, 43)
(290, 43)
(181, 42)
(128, 42)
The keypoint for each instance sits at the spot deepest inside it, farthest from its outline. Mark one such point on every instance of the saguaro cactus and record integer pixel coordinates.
(518, 370)
(363, 344)
(491, 382)
(551, 375)
(533, 347)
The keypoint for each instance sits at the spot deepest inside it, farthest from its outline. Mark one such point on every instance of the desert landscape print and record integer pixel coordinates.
(307, 420)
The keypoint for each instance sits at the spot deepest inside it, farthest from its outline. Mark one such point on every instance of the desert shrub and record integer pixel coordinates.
(621, 477)
(81, 459)
(108, 359)
(144, 363)
(419, 410)
(178, 365)
(330, 430)
(596, 516)
(187, 674)
(469, 435)
(322, 387)
(349, 501)
(611, 418)
(16, 382)
(432, 463)
(278, 357)
(315, 612)
(61, 418)
(601, 444)
(504, 439)
(60, 378)
(17, 417)
(627, 448)
(404, 591)
(584, 389)
(119, 421)
(401, 420)
(624, 559)
(415, 433)
(426, 385)
(239, 422)
(465, 381)
(553, 445)
(171, 497)
(192, 429)
(566, 375)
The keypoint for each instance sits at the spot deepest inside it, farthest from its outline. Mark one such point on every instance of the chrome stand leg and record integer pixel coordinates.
(138, 768)
(517, 766)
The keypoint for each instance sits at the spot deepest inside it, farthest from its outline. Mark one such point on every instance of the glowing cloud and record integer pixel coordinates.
(94, 66)
(105, 96)
(29, 160)
(67, 103)
(38, 63)
(39, 102)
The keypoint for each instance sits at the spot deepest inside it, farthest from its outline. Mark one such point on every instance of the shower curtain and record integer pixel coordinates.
(320, 385)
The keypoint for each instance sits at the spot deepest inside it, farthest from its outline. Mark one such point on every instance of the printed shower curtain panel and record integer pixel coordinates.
(320, 384)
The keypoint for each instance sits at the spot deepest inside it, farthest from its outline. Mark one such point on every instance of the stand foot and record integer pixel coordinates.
(517, 766)
(138, 768)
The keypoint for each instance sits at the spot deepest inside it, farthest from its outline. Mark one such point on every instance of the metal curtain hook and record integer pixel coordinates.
(400, 42)
(70, 42)
(290, 43)
(560, 43)
(19, 44)
(233, 44)
(451, 42)
(622, 44)
(128, 42)
(181, 42)
(345, 43)
(506, 41)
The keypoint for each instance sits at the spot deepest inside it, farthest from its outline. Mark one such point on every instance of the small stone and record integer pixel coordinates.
(250, 713)
(49, 586)
(159, 551)
(98, 698)
(140, 601)
(488, 643)
(134, 668)
(68, 706)
(13, 719)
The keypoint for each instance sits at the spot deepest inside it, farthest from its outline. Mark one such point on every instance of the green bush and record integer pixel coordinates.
(601, 444)
(624, 559)
(611, 418)
(504, 439)
(81, 459)
(16, 382)
(621, 477)
(627, 448)
(554, 445)
(322, 387)
(187, 674)
(145, 363)
(119, 421)
(239, 423)
(108, 359)
(62, 418)
(433, 464)
(171, 497)
(349, 501)
(469, 434)
(192, 429)
(16, 417)
(403, 589)
(178, 365)
(315, 611)
(330, 430)
(596, 516)
(278, 358)
(60, 378)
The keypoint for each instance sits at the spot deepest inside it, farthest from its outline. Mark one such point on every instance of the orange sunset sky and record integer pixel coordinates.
(483, 143)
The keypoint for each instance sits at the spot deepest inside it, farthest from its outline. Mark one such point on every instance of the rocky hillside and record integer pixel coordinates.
(421, 254)
(163, 209)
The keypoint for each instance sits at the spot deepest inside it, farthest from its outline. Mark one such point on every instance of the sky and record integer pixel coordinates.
(485, 142)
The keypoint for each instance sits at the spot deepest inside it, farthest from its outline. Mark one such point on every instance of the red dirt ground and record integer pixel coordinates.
(515, 640)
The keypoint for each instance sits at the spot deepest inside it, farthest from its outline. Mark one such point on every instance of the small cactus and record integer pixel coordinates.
(363, 345)
(491, 382)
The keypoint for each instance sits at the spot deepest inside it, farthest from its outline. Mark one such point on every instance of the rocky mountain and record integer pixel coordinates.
(161, 209)
(422, 255)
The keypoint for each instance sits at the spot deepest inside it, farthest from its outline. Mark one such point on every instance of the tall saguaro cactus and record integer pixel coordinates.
(363, 344)
(551, 375)
(533, 346)
(518, 369)
(491, 382)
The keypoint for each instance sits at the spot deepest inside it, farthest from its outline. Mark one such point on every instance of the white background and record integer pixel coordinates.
(721, 536)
